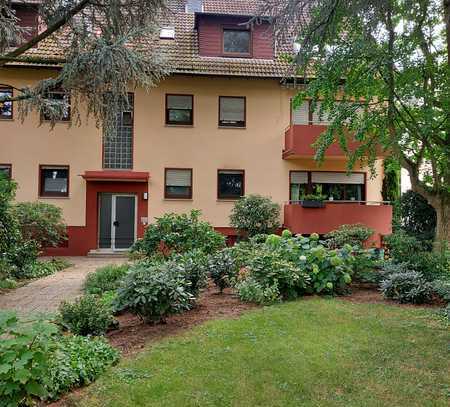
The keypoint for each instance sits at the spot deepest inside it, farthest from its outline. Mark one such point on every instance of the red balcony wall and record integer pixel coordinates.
(323, 220)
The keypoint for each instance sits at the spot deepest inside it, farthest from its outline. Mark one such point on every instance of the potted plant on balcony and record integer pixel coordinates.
(315, 200)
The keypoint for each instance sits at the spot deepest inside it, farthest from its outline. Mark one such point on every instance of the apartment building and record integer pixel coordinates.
(219, 127)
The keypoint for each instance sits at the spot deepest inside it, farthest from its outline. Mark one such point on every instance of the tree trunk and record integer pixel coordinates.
(443, 224)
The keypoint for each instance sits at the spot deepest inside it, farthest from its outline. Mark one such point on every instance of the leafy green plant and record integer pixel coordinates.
(442, 289)
(192, 266)
(222, 269)
(408, 287)
(105, 278)
(179, 233)
(401, 246)
(249, 290)
(24, 361)
(255, 214)
(354, 235)
(77, 361)
(153, 293)
(40, 222)
(316, 196)
(7, 284)
(39, 269)
(88, 315)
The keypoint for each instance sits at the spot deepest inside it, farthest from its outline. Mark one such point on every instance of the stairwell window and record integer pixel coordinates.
(180, 110)
(232, 111)
(231, 184)
(53, 181)
(178, 183)
(237, 42)
(6, 108)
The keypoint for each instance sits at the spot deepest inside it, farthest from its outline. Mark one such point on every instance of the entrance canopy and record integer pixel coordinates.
(116, 176)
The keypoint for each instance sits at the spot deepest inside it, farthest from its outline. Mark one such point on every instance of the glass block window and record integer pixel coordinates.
(6, 108)
(53, 180)
(118, 150)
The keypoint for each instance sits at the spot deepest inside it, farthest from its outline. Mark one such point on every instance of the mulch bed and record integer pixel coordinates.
(133, 334)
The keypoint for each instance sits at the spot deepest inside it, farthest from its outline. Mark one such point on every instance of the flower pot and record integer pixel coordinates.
(312, 204)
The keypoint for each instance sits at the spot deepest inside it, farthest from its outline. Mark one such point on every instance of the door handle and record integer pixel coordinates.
(116, 223)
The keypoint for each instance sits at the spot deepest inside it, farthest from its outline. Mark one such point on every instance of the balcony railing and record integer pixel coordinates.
(376, 215)
(298, 140)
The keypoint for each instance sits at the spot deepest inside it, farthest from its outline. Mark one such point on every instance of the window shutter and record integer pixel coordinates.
(337, 178)
(231, 172)
(299, 177)
(300, 115)
(232, 109)
(179, 102)
(315, 116)
(178, 178)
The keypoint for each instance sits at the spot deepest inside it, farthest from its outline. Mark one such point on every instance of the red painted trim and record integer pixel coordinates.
(116, 175)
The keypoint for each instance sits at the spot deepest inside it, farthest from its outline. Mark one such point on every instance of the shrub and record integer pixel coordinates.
(192, 266)
(442, 289)
(354, 235)
(402, 246)
(105, 278)
(409, 287)
(7, 284)
(255, 214)
(153, 293)
(24, 359)
(77, 361)
(273, 272)
(179, 233)
(418, 217)
(222, 269)
(40, 222)
(366, 266)
(250, 290)
(39, 269)
(432, 265)
(88, 315)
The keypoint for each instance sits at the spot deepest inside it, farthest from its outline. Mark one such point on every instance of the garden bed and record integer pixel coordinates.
(133, 335)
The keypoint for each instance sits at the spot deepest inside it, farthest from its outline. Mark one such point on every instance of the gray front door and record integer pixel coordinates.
(117, 226)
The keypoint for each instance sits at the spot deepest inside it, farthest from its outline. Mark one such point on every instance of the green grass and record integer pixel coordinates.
(318, 352)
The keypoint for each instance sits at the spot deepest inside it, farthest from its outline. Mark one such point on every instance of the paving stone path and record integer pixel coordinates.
(45, 294)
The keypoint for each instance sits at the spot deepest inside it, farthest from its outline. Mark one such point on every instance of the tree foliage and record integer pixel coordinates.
(418, 218)
(104, 48)
(381, 71)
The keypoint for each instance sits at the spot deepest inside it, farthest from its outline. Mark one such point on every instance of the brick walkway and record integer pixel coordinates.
(45, 294)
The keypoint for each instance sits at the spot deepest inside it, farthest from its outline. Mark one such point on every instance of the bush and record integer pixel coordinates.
(402, 246)
(354, 235)
(39, 269)
(192, 266)
(432, 265)
(366, 266)
(222, 269)
(24, 359)
(88, 315)
(153, 293)
(250, 290)
(408, 287)
(442, 289)
(174, 233)
(41, 223)
(255, 214)
(77, 361)
(105, 278)
(418, 217)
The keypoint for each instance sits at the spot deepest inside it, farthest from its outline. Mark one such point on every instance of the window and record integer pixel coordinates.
(298, 185)
(6, 108)
(230, 184)
(179, 109)
(54, 180)
(59, 97)
(167, 33)
(118, 150)
(194, 6)
(236, 42)
(6, 170)
(232, 111)
(178, 183)
(338, 186)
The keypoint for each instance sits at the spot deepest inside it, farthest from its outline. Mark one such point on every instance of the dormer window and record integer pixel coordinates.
(167, 33)
(236, 42)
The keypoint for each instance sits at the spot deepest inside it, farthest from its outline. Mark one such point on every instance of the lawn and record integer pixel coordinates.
(313, 352)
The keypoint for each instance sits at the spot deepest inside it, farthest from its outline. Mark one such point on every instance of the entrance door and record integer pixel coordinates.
(117, 226)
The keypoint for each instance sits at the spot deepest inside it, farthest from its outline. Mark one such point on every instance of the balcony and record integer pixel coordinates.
(375, 215)
(298, 140)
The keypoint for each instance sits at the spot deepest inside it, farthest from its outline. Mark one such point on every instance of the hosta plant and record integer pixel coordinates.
(408, 287)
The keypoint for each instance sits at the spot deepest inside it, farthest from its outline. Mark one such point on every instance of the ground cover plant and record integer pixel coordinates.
(315, 352)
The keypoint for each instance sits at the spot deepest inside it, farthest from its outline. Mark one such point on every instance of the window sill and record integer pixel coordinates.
(53, 197)
(232, 127)
(180, 125)
(178, 199)
(227, 199)
(58, 121)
